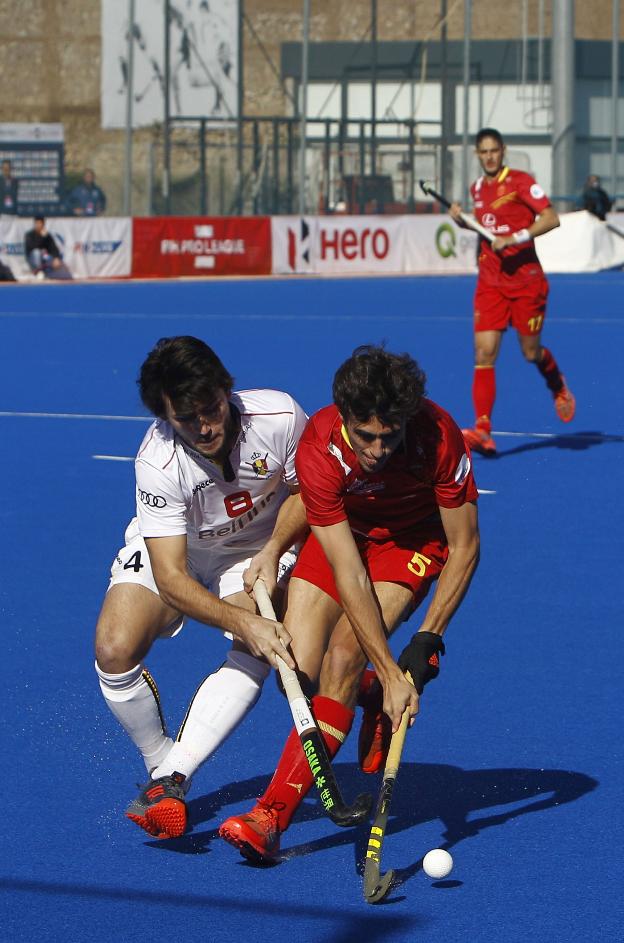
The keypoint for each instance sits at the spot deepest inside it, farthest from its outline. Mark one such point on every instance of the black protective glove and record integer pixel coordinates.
(421, 658)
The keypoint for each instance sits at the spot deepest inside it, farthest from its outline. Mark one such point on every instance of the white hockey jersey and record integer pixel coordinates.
(180, 491)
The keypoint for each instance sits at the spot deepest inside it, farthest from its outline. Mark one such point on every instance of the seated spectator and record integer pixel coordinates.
(8, 191)
(87, 199)
(6, 275)
(42, 253)
(594, 199)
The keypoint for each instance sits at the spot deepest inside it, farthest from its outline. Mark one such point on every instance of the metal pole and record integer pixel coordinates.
(540, 52)
(166, 187)
(563, 133)
(466, 82)
(362, 178)
(412, 169)
(374, 87)
(127, 201)
(276, 166)
(289, 163)
(257, 161)
(448, 105)
(149, 205)
(222, 160)
(327, 167)
(525, 47)
(615, 75)
(202, 168)
(241, 108)
(304, 103)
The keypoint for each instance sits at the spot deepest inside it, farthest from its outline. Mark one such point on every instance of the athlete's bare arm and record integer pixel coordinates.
(263, 638)
(462, 533)
(290, 528)
(361, 609)
(455, 211)
(545, 221)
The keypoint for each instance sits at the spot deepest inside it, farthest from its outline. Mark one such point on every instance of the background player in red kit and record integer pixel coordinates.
(387, 485)
(511, 287)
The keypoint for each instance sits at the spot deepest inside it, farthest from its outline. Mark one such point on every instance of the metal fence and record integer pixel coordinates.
(350, 166)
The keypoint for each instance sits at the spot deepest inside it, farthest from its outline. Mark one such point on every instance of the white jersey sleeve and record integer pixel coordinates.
(296, 427)
(162, 505)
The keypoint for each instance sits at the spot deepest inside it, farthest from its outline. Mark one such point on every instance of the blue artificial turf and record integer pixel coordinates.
(515, 763)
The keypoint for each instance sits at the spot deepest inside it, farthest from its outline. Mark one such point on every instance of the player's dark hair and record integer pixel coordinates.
(187, 371)
(489, 133)
(375, 383)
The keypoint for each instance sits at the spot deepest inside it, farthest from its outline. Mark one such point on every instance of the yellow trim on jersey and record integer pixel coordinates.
(345, 436)
(507, 198)
(504, 172)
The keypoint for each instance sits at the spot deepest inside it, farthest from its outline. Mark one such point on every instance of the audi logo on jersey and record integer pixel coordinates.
(152, 500)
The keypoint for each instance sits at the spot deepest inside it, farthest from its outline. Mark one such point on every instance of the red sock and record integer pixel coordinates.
(293, 777)
(547, 366)
(484, 394)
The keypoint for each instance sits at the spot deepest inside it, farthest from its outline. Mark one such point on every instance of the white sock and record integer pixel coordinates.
(134, 700)
(222, 701)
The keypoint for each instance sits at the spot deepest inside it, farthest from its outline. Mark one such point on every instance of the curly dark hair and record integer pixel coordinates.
(374, 382)
(186, 370)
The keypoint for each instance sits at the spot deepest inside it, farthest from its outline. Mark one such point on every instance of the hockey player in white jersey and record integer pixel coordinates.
(217, 507)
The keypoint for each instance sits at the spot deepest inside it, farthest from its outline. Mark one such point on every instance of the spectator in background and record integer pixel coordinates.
(87, 199)
(8, 190)
(6, 275)
(42, 253)
(594, 199)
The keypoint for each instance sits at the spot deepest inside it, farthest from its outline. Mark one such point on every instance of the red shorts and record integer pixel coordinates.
(413, 560)
(521, 304)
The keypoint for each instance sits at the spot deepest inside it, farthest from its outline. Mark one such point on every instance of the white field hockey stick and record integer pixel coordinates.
(376, 884)
(467, 218)
(311, 738)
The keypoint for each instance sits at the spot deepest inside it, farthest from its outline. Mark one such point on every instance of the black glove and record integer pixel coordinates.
(420, 658)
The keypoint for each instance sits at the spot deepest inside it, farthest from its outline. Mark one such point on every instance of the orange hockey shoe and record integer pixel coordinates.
(374, 741)
(376, 729)
(256, 834)
(160, 808)
(565, 403)
(479, 440)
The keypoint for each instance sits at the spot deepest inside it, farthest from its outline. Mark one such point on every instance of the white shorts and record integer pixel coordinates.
(220, 572)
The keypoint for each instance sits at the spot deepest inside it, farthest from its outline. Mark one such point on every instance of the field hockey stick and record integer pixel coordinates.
(376, 884)
(311, 738)
(467, 218)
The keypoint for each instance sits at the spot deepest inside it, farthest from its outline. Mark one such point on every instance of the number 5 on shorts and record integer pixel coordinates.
(418, 564)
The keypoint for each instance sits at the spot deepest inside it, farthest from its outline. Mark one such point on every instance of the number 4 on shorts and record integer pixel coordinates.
(134, 563)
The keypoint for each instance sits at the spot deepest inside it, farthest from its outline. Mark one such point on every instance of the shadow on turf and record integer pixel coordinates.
(348, 926)
(572, 441)
(459, 798)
